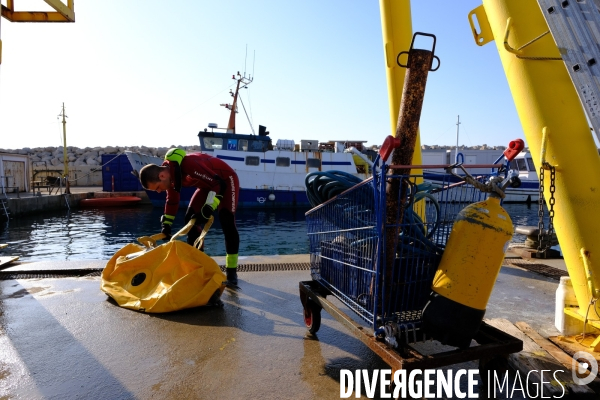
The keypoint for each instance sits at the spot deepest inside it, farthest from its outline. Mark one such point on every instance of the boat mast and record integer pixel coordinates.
(65, 158)
(244, 82)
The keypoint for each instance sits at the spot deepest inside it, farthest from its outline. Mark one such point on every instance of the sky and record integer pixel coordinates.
(153, 73)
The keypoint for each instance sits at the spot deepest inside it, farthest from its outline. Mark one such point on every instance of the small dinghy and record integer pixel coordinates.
(109, 202)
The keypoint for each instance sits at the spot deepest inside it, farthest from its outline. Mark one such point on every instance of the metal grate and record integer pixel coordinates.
(272, 267)
(5, 276)
(541, 269)
(51, 274)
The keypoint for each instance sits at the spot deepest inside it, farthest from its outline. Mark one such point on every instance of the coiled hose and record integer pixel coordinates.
(414, 232)
(324, 185)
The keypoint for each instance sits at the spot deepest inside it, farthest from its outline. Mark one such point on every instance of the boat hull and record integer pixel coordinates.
(263, 187)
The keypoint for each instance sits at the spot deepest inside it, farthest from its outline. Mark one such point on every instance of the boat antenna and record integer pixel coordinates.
(253, 61)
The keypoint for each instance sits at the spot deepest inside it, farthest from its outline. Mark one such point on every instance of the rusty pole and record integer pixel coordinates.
(418, 66)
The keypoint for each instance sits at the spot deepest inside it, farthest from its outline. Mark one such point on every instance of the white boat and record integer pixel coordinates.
(273, 176)
(270, 175)
(528, 192)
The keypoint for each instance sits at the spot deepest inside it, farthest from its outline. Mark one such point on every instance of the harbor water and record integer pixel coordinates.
(96, 234)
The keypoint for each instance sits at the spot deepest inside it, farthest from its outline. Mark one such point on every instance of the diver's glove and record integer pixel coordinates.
(166, 223)
(212, 202)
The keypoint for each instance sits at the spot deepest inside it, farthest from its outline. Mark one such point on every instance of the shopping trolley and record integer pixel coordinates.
(381, 266)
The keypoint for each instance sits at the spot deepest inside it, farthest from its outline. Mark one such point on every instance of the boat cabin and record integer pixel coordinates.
(210, 141)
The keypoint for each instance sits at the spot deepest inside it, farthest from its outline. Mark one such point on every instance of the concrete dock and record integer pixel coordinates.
(63, 338)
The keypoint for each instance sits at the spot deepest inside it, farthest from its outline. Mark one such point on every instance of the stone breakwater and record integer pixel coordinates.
(44, 157)
(85, 164)
(53, 157)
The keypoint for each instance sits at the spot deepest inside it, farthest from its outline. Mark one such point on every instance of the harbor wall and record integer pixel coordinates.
(40, 204)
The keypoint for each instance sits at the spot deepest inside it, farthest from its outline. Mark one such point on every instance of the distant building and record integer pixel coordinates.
(14, 173)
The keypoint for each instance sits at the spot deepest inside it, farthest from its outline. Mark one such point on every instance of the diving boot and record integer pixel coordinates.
(232, 276)
(231, 268)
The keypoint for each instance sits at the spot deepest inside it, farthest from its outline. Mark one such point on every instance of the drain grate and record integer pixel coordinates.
(73, 273)
(5, 276)
(541, 269)
(271, 267)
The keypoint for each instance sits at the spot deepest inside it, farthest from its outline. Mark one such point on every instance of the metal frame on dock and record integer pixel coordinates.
(493, 343)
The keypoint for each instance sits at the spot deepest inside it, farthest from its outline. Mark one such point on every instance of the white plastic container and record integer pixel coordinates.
(565, 297)
(284, 144)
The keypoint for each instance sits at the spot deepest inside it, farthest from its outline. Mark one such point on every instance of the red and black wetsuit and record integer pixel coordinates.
(207, 173)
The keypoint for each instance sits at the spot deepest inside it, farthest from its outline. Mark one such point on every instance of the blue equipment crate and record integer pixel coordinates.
(347, 237)
(111, 163)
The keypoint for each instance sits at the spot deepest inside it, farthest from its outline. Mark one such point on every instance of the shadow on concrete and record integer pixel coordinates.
(264, 310)
(43, 344)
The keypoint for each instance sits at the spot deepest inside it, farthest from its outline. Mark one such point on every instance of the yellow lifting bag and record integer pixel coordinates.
(170, 277)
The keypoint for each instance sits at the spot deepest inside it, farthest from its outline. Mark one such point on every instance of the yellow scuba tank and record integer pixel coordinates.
(467, 272)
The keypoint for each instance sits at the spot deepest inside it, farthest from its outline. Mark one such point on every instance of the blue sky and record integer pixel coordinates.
(153, 73)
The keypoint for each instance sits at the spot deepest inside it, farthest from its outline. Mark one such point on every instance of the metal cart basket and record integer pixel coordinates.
(379, 265)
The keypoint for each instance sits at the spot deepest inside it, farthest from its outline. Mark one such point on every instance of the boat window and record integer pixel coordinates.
(243, 145)
(255, 145)
(313, 163)
(211, 143)
(282, 161)
(531, 164)
(252, 160)
(513, 164)
(521, 164)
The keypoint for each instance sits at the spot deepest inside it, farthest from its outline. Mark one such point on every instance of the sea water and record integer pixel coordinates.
(96, 234)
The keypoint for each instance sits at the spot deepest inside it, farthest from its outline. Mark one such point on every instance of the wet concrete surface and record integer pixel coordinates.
(63, 338)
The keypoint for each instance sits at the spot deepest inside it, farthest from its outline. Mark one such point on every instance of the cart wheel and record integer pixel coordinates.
(312, 317)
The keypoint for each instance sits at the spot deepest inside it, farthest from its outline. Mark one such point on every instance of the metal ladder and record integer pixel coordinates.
(575, 27)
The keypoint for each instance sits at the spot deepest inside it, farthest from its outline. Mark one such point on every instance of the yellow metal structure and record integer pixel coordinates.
(474, 254)
(62, 13)
(548, 106)
(397, 36)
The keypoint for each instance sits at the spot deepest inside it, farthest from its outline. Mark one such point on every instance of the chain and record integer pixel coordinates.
(545, 238)
(551, 202)
(541, 212)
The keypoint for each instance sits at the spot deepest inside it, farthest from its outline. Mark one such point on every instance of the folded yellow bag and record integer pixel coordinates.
(170, 277)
